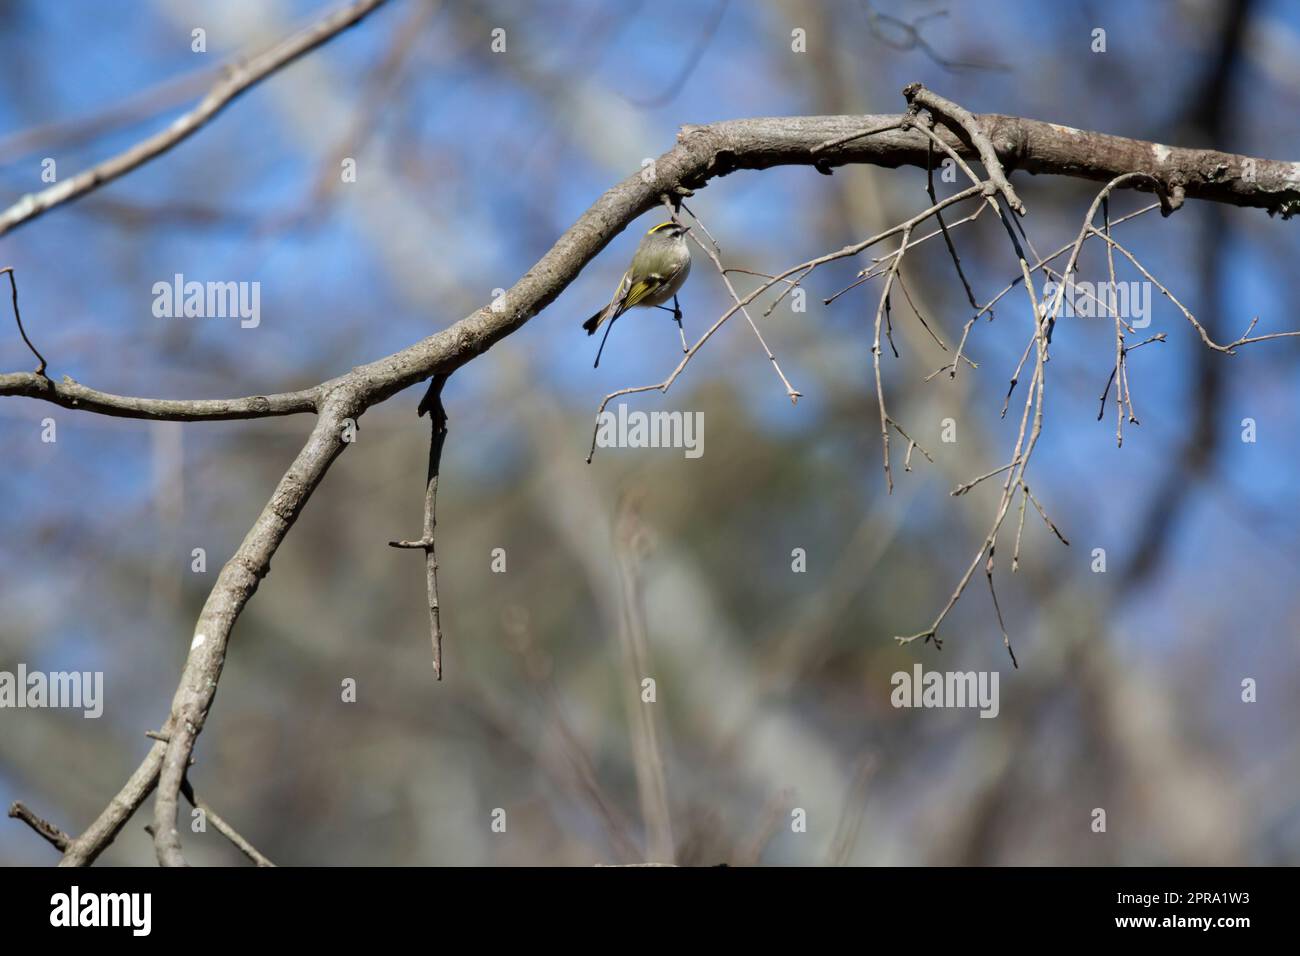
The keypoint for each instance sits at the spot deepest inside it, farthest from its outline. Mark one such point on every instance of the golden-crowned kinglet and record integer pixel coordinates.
(659, 267)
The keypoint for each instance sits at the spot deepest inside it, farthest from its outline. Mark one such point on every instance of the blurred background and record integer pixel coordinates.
(773, 687)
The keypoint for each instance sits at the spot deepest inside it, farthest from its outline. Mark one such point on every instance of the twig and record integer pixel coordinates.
(716, 248)
(1119, 373)
(917, 312)
(911, 444)
(1229, 348)
(48, 831)
(957, 117)
(804, 268)
(1043, 514)
(13, 285)
(432, 403)
(962, 489)
(1006, 638)
(1020, 530)
(224, 828)
(1054, 308)
(875, 362)
(92, 841)
(790, 390)
(1026, 442)
(71, 394)
(885, 127)
(1042, 262)
(947, 238)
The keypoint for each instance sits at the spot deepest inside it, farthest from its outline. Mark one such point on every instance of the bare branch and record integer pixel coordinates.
(13, 286)
(892, 123)
(701, 154)
(47, 830)
(790, 390)
(225, 829)
(997, 608)
(432, 403)
(78, 397)
(235, 585)
(804, 269)
(956, 116)
(237, 79)
(1229, 348)
(875, 358)
(947, 238)
(85, 849)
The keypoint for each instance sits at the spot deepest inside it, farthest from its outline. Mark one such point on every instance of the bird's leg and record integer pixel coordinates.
(677, 317)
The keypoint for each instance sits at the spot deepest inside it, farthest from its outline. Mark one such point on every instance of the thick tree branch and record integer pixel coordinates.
(705, 152)
(85, 849)
(235, 584)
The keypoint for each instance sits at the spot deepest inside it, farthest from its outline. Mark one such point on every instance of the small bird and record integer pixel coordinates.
(659, 268)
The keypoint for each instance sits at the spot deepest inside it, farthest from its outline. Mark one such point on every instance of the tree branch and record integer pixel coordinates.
(236, 583)
(238, 78)
(220, 824)
(48, 831)
(78, 397)
(958, 117)
(85, 849)
(701, 154)
(18, 318)
(432, 403)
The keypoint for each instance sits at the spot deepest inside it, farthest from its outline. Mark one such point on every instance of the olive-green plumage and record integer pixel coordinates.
(659, 267)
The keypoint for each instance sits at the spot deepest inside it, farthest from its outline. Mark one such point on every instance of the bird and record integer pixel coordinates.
(659, 268)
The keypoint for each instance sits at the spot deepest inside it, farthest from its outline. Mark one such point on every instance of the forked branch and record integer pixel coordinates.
(701, 154)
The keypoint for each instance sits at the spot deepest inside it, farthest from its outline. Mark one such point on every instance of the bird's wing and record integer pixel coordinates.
(655, 281)
(619, 302)
(640, 290)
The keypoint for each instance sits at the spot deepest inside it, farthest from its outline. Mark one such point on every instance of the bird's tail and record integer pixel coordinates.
(593, 323)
